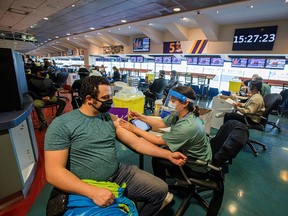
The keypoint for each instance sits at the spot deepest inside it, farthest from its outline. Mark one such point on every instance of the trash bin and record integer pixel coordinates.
(234, 86)
(129, 98)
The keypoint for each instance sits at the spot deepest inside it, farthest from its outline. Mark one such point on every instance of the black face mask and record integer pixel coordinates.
(105, 106)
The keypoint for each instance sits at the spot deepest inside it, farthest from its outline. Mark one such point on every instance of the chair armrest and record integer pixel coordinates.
(203, 163)
(252, 114)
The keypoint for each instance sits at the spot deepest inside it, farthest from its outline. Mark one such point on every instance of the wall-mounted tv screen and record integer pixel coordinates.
(141, 44)
(192, 61)
(217, 62)
(158, 59)
(133, 59)
(140, 59)
(239, 62)
(275, 63)
(176, 60)
(203, 61)
(256, 63)
(167, 59)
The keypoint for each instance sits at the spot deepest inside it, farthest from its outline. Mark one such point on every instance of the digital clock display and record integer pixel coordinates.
(261, 38)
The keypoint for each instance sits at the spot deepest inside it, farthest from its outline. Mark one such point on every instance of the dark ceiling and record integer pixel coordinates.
(101, 14)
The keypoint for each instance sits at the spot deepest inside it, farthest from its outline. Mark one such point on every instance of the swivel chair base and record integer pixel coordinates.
(249, 142)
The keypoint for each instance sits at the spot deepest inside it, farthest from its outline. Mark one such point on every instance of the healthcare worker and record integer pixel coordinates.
(187, 133)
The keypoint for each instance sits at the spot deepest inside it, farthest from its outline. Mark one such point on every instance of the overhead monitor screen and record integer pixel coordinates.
(256, 63)
(158, 59)
(192, 61)
(217, 62)
(275, 63)
(141, 44)
(203, 61)
(239, 62)
(167, 59)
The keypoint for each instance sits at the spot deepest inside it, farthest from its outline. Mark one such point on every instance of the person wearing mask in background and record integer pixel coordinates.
(103, 71)
(254, 105)
(30, 65)
(245, 84)
(171, 83)
(156, 89)
(76, 87)
(116, 74)
(187, 134)
(42, 91)
(86, 137)
(265, 89)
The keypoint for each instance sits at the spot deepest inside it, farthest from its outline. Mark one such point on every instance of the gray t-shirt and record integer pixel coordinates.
(91, 141)
(188, 136)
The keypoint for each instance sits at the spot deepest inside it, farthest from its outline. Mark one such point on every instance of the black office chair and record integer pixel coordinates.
(271, 102)
(226, 144)
(60, 81)
(283, 104)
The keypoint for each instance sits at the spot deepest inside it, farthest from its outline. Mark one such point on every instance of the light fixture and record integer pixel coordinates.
(49, 39)
(129, 26)
(56, 36)
(68, 38)
(31, 26)
(46, 18)
(109, 30)
(176, 9)
(119, 29)
(149, 24)
(91, 28)
(68, 34)
(217, 12)
(45, 41)
(123, 21)
(251, 6)
(73, 5)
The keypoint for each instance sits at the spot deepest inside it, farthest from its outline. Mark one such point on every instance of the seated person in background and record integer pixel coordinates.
(31, 66)
(171, 83)
(43, 92)
(245, 84)
(187, 133)
(86, 137)
(76, 87)
(266, 89)
(254, 105)
(156, 89)
(103, 71)
(116, 74)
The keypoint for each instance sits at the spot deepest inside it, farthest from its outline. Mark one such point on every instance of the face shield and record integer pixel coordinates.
(169, 106)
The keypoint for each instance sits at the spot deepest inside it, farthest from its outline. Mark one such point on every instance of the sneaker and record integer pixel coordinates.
(167, 200)
(220, 115)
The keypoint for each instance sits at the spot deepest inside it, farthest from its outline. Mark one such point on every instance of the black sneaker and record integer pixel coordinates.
(43, 126)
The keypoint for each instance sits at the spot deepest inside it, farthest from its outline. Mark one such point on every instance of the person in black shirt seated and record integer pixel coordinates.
(76, 87)
(156, 89)
(43, 91)
(116, 74)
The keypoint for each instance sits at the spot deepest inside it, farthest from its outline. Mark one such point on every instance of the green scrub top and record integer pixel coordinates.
(188, 136)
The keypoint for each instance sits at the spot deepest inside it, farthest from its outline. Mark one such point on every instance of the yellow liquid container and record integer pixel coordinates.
(234, 86)
(132, 103)
(149, 77)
